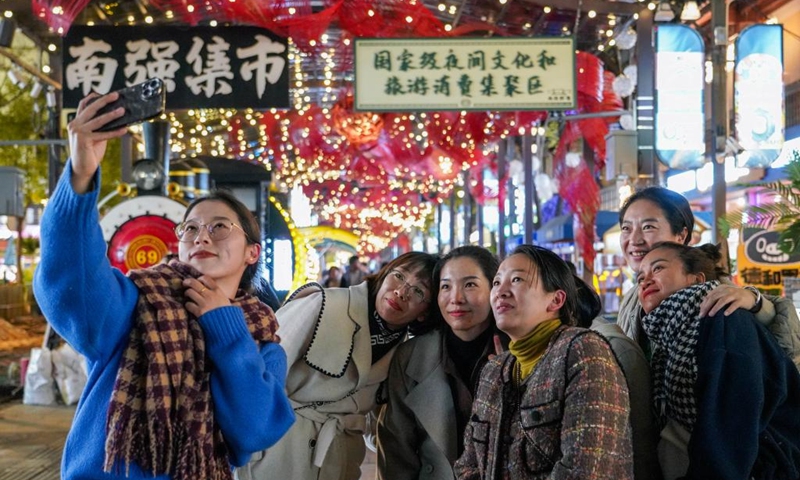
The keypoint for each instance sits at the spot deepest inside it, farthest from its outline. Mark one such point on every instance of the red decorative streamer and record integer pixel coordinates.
(374, 149)
(59, 15)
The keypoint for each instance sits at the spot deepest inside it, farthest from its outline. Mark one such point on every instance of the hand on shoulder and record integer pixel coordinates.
(727, 298)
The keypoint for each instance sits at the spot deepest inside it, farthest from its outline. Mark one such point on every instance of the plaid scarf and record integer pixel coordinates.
(161, 414)
(673, 328)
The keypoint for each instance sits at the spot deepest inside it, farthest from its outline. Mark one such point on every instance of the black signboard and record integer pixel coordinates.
(762, 247)
(202, 67)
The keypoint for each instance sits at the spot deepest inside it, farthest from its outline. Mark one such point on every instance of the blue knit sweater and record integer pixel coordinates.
(91, 305)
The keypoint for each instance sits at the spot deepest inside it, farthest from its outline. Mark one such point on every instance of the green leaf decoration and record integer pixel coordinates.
(788, 239)
(782, 214)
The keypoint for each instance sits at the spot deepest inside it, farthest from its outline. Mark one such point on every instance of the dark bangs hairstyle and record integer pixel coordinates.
(249, 224)
(676, 209)
(703, 259)
(554, 274)
(485, 260)
(420, 264)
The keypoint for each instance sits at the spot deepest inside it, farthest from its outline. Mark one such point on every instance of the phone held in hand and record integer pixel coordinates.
(141, 102)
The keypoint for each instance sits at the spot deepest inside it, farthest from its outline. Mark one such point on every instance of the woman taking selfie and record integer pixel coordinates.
(556, 404)
(728, 396)
(656, 214)
(339, 343)
(432, 378)
(169, 348)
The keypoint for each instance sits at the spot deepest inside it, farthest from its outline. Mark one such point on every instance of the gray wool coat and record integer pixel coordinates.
(417, 434)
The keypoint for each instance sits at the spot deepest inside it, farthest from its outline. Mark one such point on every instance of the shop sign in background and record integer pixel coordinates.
(759, 94)
(761, 263)
(679, 115)
(202, 67)
(465, 74)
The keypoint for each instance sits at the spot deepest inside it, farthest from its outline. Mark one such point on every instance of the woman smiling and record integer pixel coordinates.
(169, 348)
(556, 405)
(727, 395)
(656, 214)
(432, 378)
(339, 343)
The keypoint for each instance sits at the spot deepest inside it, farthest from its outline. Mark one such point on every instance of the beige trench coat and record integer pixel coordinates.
(332, 385)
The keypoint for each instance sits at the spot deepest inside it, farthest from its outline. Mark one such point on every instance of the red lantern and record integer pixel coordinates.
(359, 128)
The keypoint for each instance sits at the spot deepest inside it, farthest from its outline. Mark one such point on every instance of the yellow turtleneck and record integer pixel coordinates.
(529, 349)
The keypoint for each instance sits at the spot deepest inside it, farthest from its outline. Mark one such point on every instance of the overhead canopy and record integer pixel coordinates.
(559, 229)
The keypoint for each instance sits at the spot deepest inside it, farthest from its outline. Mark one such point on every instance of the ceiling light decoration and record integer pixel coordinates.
(691, 11)
(664, 12)
(626, 39)
(37, 88)
(376, 186)
(50, 98)
(632, 72)
(623, 86)
(16, 79)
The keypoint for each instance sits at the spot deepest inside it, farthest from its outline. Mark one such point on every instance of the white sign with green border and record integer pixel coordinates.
(402, 74)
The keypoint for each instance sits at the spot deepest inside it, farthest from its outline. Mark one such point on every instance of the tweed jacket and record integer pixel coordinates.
(568, 419)
(417, 433)
(331, 383)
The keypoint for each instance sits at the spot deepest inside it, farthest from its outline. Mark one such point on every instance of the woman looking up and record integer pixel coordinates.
(432, 378)
(727, 395)
(339, 343)
(656, 214)
(170, 347)
(556, 404)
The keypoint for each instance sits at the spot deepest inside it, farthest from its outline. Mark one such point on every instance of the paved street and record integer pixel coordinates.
(32, 438)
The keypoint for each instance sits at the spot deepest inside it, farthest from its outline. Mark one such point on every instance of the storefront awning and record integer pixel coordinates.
(559, 229)
(606, 220)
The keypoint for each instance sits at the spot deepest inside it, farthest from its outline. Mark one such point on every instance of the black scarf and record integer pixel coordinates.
(673, 328)
(382, 337)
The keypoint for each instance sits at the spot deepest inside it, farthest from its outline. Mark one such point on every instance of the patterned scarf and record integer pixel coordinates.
(382, 337)
(161, 414)
(382, 334)
(673, 328)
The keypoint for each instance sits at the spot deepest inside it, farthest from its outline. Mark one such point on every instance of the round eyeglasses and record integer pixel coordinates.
(217, 230)
(397, 279)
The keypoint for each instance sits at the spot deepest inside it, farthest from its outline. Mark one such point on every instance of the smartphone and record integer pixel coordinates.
(141, 102)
